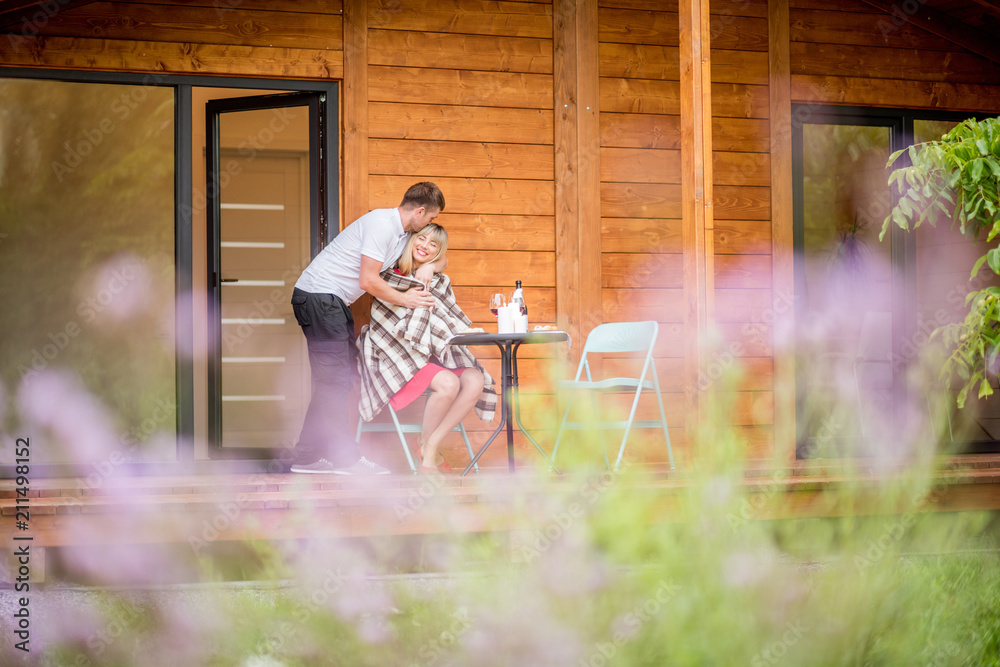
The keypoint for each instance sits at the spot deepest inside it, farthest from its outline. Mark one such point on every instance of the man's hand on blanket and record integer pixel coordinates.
(417, 298)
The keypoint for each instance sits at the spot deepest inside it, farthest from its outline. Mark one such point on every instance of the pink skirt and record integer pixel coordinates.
(418, 384)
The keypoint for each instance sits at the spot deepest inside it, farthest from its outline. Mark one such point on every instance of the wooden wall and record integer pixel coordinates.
(554, 129)
(856, 55)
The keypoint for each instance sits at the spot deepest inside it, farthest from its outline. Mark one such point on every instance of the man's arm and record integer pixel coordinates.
(371, 282)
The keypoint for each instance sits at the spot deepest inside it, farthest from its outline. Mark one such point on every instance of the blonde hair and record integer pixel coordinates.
(437, 233)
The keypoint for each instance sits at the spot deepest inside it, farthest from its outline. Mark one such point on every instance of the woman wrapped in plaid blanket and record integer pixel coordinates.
(404, 352)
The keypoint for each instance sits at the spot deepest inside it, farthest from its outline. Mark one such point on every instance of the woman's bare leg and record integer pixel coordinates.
(438, 425)
(445, 387)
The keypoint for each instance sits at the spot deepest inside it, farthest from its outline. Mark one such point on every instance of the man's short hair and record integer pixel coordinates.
(424, 194)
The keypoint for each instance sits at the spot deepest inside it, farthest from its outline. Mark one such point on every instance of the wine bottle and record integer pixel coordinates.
(517, 298)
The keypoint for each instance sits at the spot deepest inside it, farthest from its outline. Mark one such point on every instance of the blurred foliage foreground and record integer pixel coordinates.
(607, 573)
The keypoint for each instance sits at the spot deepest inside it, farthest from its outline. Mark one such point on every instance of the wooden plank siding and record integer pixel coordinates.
(281, 40)
(554, 129)
(642, 250)
(742, 234)
(858, 56)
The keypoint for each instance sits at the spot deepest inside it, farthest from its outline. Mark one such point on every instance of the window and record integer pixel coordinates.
(87, 269)
(865, 308)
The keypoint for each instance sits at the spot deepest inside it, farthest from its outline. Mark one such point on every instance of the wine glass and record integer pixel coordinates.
(497, 301)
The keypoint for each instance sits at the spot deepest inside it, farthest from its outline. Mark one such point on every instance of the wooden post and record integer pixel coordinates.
(696, 193)
(355, 166)
(782, 255)
(355, 111)
(578, 167)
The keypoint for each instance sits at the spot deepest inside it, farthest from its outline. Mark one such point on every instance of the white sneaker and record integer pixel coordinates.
(323, 466)
(361, 467)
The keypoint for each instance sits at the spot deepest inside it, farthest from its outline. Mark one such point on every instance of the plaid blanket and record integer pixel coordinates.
(400, 341)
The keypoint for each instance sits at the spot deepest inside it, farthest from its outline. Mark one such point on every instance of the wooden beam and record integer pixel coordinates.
(109, 55)
(896, 94)
(782, 243)
(567, 184)
(991, 6)
(355, 170)
(29, 17)
(940, 24)
(577, 167)
(589, 153)
(696, 193)
(355, 201)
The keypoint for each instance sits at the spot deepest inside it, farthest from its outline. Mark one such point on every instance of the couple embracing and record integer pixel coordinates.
(398, 256)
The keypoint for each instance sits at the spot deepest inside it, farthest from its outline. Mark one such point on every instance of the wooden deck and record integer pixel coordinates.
(201, 510)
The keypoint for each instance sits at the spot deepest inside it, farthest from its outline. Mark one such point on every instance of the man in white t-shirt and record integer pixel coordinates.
(345, 269)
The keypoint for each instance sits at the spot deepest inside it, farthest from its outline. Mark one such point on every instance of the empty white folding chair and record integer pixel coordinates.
(616, 338)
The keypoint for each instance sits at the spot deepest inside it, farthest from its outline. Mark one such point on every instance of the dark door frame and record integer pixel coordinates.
(318, 207)
(183, 246)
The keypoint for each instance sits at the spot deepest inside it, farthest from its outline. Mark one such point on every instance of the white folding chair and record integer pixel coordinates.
(618, 337)
(402, 428)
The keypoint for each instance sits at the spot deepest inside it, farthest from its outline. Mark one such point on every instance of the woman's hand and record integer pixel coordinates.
(416, 298)
(425, 273)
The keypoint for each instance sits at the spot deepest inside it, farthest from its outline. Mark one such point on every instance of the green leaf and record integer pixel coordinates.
(899, 218)
(983, 148)
(904, 206)
(894, 157)
(885, 228)
(977, 204)
(985, 389)
(994, 230)
(978, 169)
(993, 259)
(978, 265)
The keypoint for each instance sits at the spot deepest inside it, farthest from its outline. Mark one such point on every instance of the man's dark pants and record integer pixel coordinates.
(328, 326)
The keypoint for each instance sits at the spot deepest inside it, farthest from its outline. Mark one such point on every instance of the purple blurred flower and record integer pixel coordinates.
(120, 289)
(57, 401)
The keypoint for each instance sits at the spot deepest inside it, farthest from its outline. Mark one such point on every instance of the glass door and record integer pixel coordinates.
(266, 208)
(847, 284)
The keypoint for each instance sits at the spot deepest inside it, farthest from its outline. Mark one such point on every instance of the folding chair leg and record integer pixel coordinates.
(628, 427)
(559, 433)
(468, 445)
(517, 420)
(402, 440)
(663, 417)
(597, 412)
